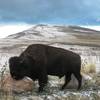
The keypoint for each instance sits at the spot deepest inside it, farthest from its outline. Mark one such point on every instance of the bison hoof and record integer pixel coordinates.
(40, 89)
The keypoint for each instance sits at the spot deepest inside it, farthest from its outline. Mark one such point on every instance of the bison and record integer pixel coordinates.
(39, 60)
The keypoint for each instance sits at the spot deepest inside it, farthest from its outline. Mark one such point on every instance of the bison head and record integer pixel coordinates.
(16, 68)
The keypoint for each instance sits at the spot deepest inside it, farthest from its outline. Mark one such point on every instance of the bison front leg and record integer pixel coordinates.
(42, 81)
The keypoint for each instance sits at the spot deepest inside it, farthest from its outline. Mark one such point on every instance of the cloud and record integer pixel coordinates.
(57, 11)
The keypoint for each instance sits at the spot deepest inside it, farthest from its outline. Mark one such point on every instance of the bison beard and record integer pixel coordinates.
(38, 61)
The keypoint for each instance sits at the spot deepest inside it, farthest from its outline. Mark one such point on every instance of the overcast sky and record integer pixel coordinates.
(50, 11)
(18, 15)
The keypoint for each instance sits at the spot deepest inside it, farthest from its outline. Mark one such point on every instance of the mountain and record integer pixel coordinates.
(49, 31)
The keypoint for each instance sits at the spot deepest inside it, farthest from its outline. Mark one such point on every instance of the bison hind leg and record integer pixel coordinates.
(79, 78)
(67, 80)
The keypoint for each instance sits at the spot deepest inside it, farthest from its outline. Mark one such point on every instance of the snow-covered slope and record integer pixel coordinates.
(49, 31)
(38, 31)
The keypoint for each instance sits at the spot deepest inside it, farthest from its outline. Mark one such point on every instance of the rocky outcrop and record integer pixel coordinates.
(8, 84)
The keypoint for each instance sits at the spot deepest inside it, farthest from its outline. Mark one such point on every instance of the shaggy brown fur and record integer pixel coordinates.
(39, 60)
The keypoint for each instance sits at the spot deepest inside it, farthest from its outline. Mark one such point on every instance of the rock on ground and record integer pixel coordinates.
(8, 84)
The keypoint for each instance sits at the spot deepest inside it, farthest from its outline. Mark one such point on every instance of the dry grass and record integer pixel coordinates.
(88, 68)
(4, 95)
(7, 96)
